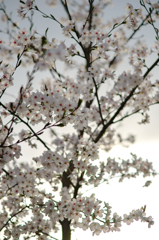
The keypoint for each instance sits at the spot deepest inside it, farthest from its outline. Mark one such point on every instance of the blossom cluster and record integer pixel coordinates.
(24, 8)
(84, 212)
(36, 199)
(114, 167)
(6, 78)
(134, 15)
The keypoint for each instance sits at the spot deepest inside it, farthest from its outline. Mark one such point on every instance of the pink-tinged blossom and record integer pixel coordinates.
(90, 103)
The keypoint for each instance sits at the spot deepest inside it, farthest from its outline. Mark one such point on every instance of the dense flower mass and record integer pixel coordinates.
(42, 193)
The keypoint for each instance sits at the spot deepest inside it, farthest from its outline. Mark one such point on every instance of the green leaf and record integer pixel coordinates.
(52, 16)
(144, 208)
(60, 125)
(43, 40)
(64, 113)
(19, 63)
(18, 56)
(21, 99)
(47, 124)
(46, 88)
(79, 103)
(22, 2)
(150, 9)
(11, 106)
(36, 8)
(46, 32)
(93, 216)
(115, 25)
(21, 89)
(53, 132)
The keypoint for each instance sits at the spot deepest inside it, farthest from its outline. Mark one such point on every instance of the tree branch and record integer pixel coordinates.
(15, 214)
(123, 104)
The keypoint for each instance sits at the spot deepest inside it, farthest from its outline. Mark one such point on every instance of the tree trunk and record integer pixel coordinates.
(66, 230)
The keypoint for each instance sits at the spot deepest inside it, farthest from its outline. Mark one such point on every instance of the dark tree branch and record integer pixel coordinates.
(14, 215)
(123, 104)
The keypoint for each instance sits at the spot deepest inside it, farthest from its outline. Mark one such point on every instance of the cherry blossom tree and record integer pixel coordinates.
(40, 199)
